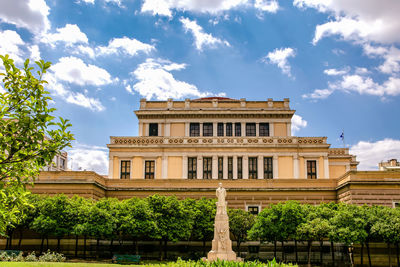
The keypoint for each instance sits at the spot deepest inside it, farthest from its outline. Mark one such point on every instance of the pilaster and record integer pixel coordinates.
(295, 166)
(260, 169)
(245, 167)
(215, 167)
(235, 168)
(275, 166)
(225, 168)
(184, 166)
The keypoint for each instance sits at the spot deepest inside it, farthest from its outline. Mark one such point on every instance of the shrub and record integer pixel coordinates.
(52, 257)
(31, 257)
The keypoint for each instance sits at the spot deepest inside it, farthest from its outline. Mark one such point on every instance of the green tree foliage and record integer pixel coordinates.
(29, 135)
(240, 222)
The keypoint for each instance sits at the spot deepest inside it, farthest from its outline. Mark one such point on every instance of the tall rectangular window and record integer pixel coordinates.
(153, 129)
(149, 169)
(220, 129)
(253, 168)
(194, 129)
(264, 129)
(125, 169)
(192, 168)
(253, 210)
(207, 168)
(250, 129)
(311, 169)
(240, 168)
(220, 168)
(207, 129)
(228, 129)
(230, 168)
(268, 173)
(238, 129)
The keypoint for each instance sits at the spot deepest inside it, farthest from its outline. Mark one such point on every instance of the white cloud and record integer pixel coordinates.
(31, 14)
(280, 57)
(201, 39)
(335, 72)
(125, 45)
(89, 158)
(319, 94)
(59, 89)
(70, 34)
(87, 1)
(74, 70)
(35, 52)
(297, 123)
(164, 7)
(85, 50)
(371, 153)
(270, 6)
(361, 71)
(154, 80)
(10, 42)
(357, 20)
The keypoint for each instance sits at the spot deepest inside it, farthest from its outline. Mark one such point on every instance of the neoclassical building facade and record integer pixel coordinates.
(185, 148)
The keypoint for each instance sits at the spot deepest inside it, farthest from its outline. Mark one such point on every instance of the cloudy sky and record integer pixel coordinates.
(338, 62)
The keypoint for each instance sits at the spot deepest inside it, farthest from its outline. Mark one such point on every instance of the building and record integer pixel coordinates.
(186, 148)
(390, 165)
(59, 162)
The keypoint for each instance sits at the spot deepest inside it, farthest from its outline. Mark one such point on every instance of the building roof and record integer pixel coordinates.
(214, 97)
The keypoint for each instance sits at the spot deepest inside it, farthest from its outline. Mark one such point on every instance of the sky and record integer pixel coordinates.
(338, 62)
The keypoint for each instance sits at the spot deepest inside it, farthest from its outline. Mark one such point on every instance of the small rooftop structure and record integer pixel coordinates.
(390, 165)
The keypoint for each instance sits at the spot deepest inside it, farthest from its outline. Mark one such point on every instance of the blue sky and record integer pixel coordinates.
(338, 62)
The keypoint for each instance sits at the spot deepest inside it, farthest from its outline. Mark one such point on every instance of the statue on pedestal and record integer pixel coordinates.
(221, 244)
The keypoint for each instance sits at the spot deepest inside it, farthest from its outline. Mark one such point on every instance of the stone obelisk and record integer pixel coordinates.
(221, 244)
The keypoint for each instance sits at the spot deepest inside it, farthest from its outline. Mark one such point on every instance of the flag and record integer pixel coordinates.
(342, 136)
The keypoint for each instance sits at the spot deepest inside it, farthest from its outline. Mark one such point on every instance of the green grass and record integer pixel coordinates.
(57, 264)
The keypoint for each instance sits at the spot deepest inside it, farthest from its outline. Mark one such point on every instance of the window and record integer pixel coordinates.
(220, 168)
(250, 129)
(207, 129)
(253, 210)
(396, 204)
(230, 168)
(125, 169)
(194, 129)
(238, 129)
(62, 163)
(149, 168)
(311, 169)
(153, 129)
(239, 168)
(253, 168)
(207, 168)
(264, 129)
(220, 129)
(229, 129)
(192, 168)
(268, 173)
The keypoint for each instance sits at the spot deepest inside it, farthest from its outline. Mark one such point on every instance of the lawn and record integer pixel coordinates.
(57, 264)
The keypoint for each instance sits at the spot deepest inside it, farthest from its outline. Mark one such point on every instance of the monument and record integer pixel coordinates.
(221, 244)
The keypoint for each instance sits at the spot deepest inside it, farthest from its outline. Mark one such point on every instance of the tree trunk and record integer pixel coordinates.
(309, 245)
(204, 247)
(84, 246)
(111, 245)
(165, 248)
(58, 244)
(397, 254)
(295, 249)
(275, 249)
(283, 252)
(333, 254)
(390, 254)
(76, 246)
(136, 246)
(41, 245)
(161, 255)
(321, 243)
(20, 238)
(362, 254)
(97, 248)
(47, 243)
(369, 254)
(238, 247)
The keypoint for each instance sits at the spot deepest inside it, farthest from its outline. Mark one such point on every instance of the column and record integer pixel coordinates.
(199, 167)
(184, 167)
(164, 167)
(326, 167)
(140, 129)
(296, 166)
(289, 129)
(215, 167)
(243, 128)
(214, 129)
(201, 129)
(271, 129)
(257, 129)
(235, 167)
(145, 129)
(260, 167)
(110, 167)
(159, 129)
(167, 129)
(186, 128)
(245, 167)
(225, 168)
(275, 166)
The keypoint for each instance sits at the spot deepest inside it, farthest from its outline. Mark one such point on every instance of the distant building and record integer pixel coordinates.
(59, 162)
(185, 148)
(390, 165)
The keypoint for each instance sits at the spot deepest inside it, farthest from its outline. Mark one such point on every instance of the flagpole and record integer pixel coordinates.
(344, 144)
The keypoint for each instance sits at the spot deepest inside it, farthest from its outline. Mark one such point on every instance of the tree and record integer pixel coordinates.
(29, 135)
(174, 221)
(240, 222)
(203, 224)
